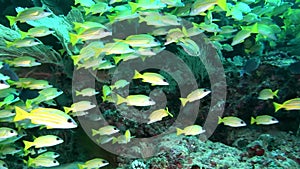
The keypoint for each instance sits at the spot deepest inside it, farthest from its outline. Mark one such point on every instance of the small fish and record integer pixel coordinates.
(105, 65)
(6, 132)
(9, 100)
(293, 104)
(6, 113)
(9, 150)
(39, 162)
(106, 130)
(157, 115)
(195, 95)
(32, 83)
(119, 84)
(106, 91)
(264, 120)
(3, 83)
(50, 154)
(122, 139)
(231, 121)
(13, 138)
(3, 165)
(117, 48)
(80, 106)
(44, 95)
(190, 130)
(152, 78)
(23, 61)
(140, 40)
(27, 42)
(43, 141)
(81, 27)
(89, 34)
(122, 12)
(173, 3)
(135, 100)
(91, 63)
(86, 92)
(98, 8)
(28, 14)
(266, 94)
(250, 66)
(35, 32)
(200, 6)
(104, 139)
(51, 118)
(146, 4)
(189, 46)
(93, 164)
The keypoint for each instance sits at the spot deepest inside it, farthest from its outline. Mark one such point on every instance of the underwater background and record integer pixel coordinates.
(150, 84)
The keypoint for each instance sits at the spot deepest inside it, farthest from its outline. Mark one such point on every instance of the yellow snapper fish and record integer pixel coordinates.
(119, 84)
(231, 121)
(93, 164)
(31, 83)
(27, 42)
(98, 8)
(122, 139)
(3, 165)
(93, 49)
(125, 57)
(81, 27)
(189, 46)
(106, 130)
(264, 120)
(23, 61)
(105, 65)
(122, 12)
(86, 92)
(28, 14)
(200, 6)
(5, 113)
(9, 100)
(3, 83)
(266, 94)
(39, 31)
(43, 141)
(158, 20)
(91, 63)
(42, 162)
(44, 95)
(104, 139)
(190, 130)
(142, 5)
(157, 115)
(50, 154)
(49, 117)
(89, 34)
(195, 95)
(152, 78)
(9, 150)
(106, 91)
(117, 48)
(140, 40)
(6, 132)
(80, 106)
(135, 100)
(173, 3)
(293, 104)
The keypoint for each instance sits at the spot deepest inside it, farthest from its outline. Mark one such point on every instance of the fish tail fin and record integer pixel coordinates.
(20, 114)
(23, 34)
(117, 59)
(179, 131)
(183, 101)
(252, 120)
(29, 162)
(73, 38)
(67, 109)
(94, 132)
(80, 166)
(275, 93)
(76, 59)
(9, 44)
(87, 11)
(111, 18)
(222, 4)
(141, 19)
(120, 99)
(77, 93)
(137, 75)
(27, 144)
(28, 103)
(12, 20)
(277, 106)
(133, 6)
(220, 120)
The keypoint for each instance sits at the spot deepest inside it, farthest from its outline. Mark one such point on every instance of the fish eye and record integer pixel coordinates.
(54, 161)
(103, 59)
(57, 138)
(164, 80)
(242, 122)
(205, 90)
(11, 131)
(130, 47)
(115, 128)
(70, 121)
(2, 81)
(4, 165)
(273, 119)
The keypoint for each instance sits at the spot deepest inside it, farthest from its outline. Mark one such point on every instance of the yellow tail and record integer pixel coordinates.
(12, 20)
(94, 132)
(277, 106)
(67, 109)
(137, 75)
(183, 101)
(252, 120)
(220, 120)
(27, 144)
(222, 4)
(20, 114)
(179, 131)
(73, 38)
(120, 99)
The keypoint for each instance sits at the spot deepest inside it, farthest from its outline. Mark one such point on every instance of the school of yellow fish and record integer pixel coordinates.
(96, 53)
